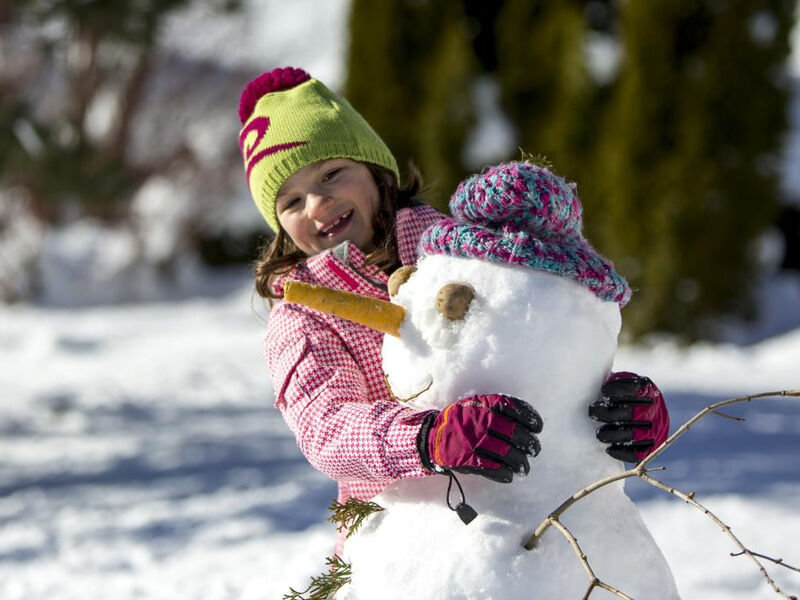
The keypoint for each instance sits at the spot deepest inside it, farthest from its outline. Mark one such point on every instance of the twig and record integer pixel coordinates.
(777, 561)
(410, 398)
(689, 499)
(731, 417)
(641, 471)
(593, 580)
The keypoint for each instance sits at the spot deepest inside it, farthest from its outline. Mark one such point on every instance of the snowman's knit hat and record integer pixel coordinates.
(290, 120)
(523, 214)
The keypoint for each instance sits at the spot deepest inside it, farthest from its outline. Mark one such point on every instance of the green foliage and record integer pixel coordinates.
(675, 155)
(351, 514)
(325, 586)
(540, 160)
(103, 45)
(682, 182)
(544, 84)
(64, 170)
(410, 70)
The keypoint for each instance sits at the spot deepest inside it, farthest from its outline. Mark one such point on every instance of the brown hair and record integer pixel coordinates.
(281, 255)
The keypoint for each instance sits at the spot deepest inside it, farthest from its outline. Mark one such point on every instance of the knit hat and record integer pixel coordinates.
(522, 214)
(291, 120)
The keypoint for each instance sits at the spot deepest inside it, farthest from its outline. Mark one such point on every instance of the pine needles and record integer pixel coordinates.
(351, 514)
(325, 586)
(540, 160)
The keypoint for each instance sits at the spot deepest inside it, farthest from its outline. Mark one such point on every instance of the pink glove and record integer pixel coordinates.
(636, 417)
(489, 435)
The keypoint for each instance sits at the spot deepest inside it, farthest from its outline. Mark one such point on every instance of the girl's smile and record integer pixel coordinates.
(327, 203)
(339, 225)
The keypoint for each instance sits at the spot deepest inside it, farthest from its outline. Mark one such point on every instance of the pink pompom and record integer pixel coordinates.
(282, 78)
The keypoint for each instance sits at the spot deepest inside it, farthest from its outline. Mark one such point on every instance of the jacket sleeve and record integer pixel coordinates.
(323, 396)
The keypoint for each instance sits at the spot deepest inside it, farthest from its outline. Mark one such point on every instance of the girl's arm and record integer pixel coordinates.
(323, 396)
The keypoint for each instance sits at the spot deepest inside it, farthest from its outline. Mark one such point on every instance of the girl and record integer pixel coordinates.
(328, 187)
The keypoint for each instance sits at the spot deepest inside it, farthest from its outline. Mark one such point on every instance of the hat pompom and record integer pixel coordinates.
(519, 196)
(282, 78)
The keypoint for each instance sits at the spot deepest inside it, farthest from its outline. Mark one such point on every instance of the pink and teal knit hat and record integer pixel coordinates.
(522, 214)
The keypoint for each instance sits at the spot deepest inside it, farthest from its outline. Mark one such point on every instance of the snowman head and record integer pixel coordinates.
(508, 296)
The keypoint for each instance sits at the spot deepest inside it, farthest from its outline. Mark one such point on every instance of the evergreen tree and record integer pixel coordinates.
(683, 182)
(105, 44)
(675, 157)
(410, 69)
(544, 84)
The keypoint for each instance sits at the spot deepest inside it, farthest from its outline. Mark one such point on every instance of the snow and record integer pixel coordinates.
(142, 458)
(548, 340)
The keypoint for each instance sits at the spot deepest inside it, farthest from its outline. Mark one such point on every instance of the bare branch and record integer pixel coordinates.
(689, 499)
(533, 540)
(777, 561)
(708, 409)
(593, 580)
(641, 471)
(410, 398)
(731, 417)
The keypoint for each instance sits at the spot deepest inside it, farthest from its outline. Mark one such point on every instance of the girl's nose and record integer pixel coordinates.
(315, 205)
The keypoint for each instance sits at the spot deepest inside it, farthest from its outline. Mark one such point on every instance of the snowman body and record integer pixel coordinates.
(551, 342)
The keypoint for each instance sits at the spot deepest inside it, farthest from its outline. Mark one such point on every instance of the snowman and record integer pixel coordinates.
(508, 297)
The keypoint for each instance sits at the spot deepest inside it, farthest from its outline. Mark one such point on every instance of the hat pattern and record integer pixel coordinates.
(522, 214)
(289, 121)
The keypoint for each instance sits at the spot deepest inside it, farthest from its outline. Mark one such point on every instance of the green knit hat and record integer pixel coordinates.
(290, 120)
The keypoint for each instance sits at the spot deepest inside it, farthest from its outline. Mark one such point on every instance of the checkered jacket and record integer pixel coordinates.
(328, 378)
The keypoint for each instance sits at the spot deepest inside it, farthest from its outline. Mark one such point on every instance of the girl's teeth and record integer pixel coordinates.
(339, 220)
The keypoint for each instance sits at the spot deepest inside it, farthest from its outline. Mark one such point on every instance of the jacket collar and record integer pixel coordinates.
(344, 267)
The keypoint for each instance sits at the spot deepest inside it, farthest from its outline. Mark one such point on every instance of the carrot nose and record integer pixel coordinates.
(373, 313)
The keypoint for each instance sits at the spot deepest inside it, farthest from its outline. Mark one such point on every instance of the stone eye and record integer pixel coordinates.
(452, 300)
(398, 278)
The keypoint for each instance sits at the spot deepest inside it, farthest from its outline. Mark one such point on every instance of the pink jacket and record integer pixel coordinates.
(328, 378)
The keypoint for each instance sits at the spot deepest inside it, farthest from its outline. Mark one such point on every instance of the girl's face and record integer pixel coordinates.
(328, 202)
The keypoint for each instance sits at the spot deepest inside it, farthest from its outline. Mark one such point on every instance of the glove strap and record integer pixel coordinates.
(464, 511)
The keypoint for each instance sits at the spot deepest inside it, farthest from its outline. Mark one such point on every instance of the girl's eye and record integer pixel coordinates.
(290, 204)
(331, 174)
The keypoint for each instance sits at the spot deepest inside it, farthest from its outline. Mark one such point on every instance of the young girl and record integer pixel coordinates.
(329, 188)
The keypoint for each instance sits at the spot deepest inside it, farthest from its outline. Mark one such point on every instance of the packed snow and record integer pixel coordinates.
(550, 341)
(142, 458)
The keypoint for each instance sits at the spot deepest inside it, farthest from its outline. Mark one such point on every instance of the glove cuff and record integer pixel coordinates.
(422, 440)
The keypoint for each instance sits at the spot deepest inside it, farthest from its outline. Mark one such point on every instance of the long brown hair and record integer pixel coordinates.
(281, 255)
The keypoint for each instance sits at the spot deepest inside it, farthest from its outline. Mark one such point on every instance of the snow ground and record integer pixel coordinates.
(142, 458)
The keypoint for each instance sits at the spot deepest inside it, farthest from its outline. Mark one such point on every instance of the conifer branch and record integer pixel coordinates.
(350, 515)
(325, 586)
(641, 471)
(540, 160)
